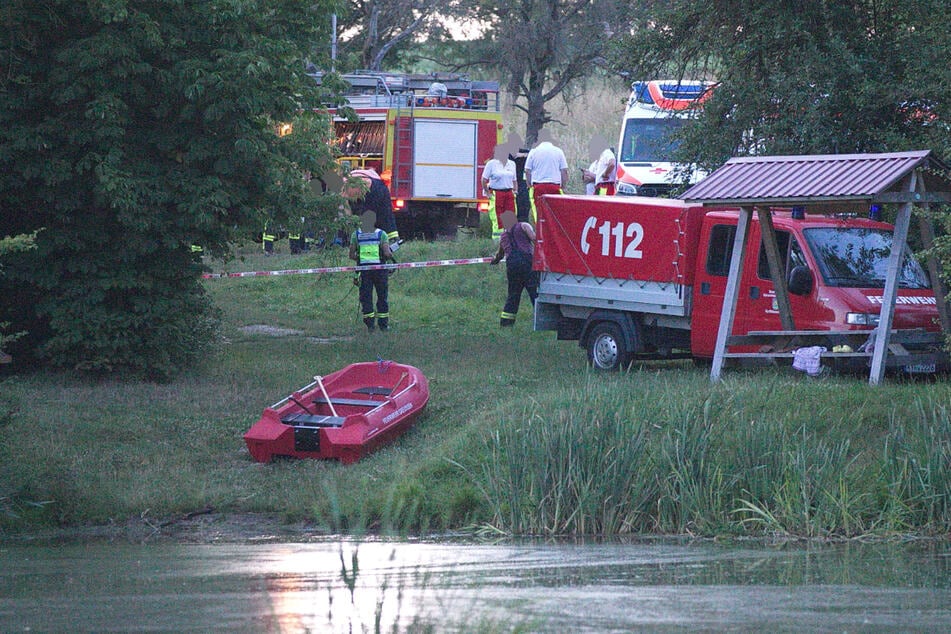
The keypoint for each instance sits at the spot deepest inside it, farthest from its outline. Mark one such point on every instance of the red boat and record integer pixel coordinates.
(343, 415)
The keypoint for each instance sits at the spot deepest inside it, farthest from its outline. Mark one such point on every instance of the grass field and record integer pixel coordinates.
(519, 437)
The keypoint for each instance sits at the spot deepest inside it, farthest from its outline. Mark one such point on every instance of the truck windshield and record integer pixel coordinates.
(648, 140)
(858, 258)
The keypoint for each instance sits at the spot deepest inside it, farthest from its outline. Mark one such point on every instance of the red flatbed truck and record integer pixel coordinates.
(429, 137)
(633, 277)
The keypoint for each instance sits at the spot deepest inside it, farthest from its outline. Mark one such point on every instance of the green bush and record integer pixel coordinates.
(131, 133)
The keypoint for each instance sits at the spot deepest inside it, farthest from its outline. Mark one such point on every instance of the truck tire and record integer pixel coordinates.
(606, 346)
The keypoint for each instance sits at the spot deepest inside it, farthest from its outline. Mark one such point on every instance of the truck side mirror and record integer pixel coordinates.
(800, 281)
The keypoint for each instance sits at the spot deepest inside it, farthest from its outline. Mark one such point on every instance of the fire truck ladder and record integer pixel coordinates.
(403, 151)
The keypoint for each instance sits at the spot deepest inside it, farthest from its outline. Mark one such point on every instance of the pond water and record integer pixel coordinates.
(371, 586)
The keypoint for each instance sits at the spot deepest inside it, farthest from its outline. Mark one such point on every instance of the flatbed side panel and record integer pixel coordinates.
(624, 295)
(546, 315)
(619, 238)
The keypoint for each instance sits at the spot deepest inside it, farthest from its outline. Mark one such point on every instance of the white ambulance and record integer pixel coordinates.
(655, 110)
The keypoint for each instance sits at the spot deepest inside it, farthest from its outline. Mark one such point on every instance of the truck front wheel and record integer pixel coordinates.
(606, 347)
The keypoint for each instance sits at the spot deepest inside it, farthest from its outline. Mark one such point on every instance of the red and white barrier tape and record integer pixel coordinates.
(346, 269)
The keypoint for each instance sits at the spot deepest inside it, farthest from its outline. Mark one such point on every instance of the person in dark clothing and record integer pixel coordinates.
(523, 201)
(267, 240)
(368, 245)
(378, 200)
(516, 245)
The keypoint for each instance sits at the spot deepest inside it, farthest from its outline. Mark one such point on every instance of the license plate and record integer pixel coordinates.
(921, 368)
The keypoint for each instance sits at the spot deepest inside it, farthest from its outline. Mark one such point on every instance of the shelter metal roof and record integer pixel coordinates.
(817, 179)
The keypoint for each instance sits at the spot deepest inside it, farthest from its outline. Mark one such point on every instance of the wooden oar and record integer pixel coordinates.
(324, 392)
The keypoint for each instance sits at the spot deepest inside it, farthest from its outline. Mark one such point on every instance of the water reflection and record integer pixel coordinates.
(405, 586)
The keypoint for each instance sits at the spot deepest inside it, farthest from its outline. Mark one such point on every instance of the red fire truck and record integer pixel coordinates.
(429, 137)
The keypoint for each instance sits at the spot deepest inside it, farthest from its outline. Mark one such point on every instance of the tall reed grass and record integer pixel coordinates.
(706, 462)
(916, 474)
(575, 469)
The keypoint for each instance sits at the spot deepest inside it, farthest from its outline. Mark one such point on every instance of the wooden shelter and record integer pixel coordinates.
(823, 184)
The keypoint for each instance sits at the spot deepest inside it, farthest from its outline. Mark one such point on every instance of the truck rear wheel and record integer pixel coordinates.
(606, 347)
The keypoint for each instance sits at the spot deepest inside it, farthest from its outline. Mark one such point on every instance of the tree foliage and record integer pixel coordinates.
(8, 246)
(823, 77)
(544, 48)
(130, 131)
(374, 31)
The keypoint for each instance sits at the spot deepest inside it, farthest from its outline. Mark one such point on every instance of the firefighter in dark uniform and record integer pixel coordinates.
(523, 201)
(378, 200)
(369, 245)
(267, 239)
(295, 236)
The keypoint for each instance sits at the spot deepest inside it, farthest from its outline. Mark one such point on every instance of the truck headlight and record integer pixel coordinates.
(626, 189)
(862, 319)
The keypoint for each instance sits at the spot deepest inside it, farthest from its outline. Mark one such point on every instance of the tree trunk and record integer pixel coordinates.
(535, 109)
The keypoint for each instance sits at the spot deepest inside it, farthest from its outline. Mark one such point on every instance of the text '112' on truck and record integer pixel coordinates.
(429, 137)
(645, 278)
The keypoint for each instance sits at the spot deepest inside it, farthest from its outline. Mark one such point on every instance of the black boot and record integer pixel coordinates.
(369, 322)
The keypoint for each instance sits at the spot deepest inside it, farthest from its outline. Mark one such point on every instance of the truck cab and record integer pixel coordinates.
(835, 272)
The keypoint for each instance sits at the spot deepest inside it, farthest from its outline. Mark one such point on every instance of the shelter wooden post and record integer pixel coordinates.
(900, 236)
(926, 228)
(732, 292)
(775, 267)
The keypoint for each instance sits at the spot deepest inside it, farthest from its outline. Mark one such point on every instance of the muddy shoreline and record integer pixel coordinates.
(208, 526)
(201, 527)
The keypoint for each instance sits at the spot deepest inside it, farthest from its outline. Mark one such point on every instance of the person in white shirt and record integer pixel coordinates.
(546, 169)
(605, 173)
(602, 173)
(588, 178)
(500, 185)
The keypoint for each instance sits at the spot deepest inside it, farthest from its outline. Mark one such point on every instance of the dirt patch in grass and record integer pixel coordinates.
(270, 331)
(274, 331)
